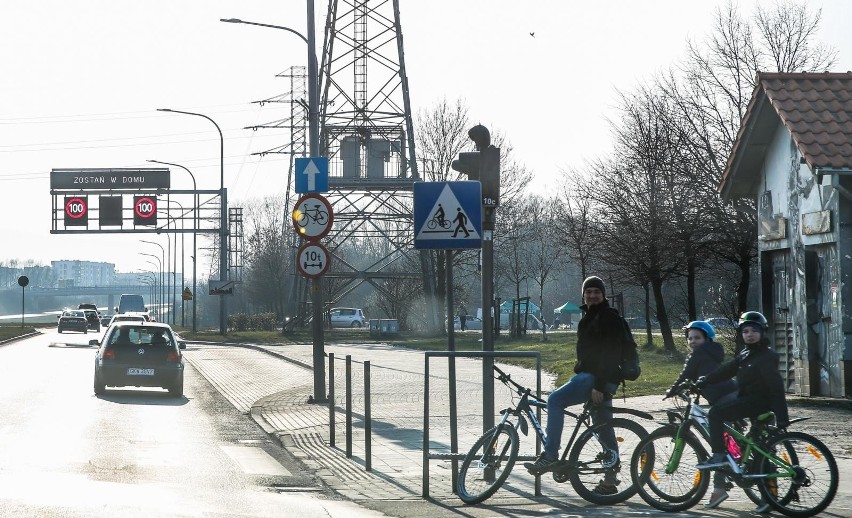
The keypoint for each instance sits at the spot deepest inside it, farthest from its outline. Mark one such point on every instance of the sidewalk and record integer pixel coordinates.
(257, 379)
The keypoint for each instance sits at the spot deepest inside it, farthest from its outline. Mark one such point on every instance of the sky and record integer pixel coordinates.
(81, 81)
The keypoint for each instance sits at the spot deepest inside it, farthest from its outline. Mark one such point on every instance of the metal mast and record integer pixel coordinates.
(367, 133)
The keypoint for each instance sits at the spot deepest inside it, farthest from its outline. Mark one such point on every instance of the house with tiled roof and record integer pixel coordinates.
(793, 155)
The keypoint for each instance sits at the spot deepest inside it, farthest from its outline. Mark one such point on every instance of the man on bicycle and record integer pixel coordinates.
(600, 338)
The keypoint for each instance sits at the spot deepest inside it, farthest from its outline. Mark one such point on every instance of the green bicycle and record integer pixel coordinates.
(795, 473)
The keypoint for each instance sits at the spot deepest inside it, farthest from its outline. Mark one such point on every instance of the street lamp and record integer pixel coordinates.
(194, 241)
(159, 265)
(313, 130)
(223, 220)
(182, 264)
(313, 72)
(164, 263)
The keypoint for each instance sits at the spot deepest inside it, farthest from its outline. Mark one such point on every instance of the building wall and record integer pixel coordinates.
(798, 218)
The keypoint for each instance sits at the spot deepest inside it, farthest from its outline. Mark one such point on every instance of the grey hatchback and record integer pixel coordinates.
(139, 354)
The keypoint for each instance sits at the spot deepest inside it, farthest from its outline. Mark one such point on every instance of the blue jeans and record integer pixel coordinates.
(578, 390)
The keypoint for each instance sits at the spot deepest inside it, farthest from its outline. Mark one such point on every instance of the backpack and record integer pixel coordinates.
(630, 367)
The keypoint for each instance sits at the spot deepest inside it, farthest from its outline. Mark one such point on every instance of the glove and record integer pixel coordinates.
(701, 382)
(672, 391)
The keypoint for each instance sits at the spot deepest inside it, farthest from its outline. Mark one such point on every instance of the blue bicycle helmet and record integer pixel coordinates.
(708, 330)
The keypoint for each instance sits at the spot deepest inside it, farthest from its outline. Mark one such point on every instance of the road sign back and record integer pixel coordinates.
(447, 215)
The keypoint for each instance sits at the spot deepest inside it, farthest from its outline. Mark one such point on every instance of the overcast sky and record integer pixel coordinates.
(80, 81)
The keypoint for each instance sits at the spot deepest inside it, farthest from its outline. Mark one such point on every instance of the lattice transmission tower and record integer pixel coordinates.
(367, 132)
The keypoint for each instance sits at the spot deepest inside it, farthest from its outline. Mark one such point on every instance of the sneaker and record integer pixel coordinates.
(762, 508)
(718, 460)
(718, 496)
(541, 465)
(604, 488)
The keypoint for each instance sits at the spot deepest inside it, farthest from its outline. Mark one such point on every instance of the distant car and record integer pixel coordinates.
(73, 320)
(470, 323)
(347, 317)
(93, 319)
(105, 320)
(130, 317)
(139, 354)
(87, 305)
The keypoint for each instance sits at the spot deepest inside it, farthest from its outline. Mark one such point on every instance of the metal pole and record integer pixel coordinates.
(348, 406)
(368, 423)
(487, 318)
(317, 329)
(451, 334)
(331, 399)
(22, 307)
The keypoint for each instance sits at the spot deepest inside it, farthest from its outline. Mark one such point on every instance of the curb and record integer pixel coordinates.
(21, 337)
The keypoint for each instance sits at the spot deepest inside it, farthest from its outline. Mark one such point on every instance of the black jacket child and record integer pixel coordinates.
(705, 359)
(758, 379)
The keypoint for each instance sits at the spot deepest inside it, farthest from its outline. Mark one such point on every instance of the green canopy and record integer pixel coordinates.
(568, 308)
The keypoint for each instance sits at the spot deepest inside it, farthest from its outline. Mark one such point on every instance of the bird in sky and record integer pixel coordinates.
(532, 34)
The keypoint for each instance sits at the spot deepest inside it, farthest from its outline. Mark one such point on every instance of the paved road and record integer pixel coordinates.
(274, 382)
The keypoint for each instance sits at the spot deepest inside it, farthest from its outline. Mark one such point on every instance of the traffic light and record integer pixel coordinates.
(483, 166)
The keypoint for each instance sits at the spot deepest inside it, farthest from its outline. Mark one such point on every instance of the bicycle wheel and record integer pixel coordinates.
(591, 465)
(814, 484)
(660, 453)
(322, 217)
(488, 463)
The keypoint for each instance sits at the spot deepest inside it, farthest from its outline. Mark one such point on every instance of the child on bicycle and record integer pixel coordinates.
(761, 387)
(600, 334)
(707, 356)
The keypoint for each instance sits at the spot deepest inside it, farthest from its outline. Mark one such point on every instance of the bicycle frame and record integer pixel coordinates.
(524, 411)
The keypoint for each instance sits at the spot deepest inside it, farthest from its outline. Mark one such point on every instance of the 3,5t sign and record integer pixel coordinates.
(76, 211)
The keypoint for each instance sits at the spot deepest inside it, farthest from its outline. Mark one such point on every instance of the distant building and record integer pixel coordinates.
(83, 273)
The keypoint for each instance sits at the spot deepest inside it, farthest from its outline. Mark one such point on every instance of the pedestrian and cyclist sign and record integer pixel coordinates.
(447, 215)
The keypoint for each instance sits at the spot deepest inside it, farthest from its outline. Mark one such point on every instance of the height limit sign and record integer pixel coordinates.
(313, 259)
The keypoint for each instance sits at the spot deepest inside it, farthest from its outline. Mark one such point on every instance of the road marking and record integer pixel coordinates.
(254, 461)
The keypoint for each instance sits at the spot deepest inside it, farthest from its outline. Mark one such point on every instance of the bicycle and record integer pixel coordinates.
(434, 223)
(794, 472)
(316, 214)
(490, 461)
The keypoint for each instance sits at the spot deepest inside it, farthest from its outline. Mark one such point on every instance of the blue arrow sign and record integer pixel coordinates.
(447, 215)
(312, 174)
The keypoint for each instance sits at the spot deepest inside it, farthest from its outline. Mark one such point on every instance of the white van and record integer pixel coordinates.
(131, 303)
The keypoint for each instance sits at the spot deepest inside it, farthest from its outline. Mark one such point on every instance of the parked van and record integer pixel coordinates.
(131, 303)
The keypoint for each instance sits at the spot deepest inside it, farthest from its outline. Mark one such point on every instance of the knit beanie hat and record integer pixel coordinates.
(594, 282)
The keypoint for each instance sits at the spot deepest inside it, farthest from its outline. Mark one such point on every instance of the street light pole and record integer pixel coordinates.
(163, 264)
(194, 242)
(319, 395)
(223, 220)
(158, 264)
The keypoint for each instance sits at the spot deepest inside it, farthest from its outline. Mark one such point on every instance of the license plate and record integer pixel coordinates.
(132, 371)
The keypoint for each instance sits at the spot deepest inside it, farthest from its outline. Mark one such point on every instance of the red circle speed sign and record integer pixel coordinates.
(76, 208)
(145, 207)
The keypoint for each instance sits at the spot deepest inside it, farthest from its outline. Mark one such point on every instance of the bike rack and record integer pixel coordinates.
(454, 455)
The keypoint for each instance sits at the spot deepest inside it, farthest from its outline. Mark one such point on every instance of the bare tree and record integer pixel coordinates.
(545, 253)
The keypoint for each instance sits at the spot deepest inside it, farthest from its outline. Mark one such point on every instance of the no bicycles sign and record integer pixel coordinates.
(312, 216)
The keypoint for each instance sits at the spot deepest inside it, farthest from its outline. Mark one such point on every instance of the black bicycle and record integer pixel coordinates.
(583, 462)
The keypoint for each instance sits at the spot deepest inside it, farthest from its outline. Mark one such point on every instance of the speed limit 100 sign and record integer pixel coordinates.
(313, 259)
(145, 210)
(76, 211)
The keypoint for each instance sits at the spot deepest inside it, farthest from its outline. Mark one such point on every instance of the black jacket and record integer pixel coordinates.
(704, 360)
(600, 335)
(756, 369)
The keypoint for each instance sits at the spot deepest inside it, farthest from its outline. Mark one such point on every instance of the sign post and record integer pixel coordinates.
(23, 280)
